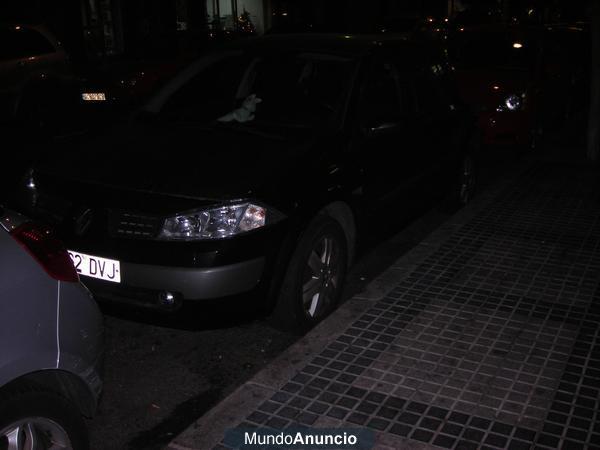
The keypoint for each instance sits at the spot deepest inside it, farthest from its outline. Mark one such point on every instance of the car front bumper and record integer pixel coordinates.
(167, 287)
(196, 283)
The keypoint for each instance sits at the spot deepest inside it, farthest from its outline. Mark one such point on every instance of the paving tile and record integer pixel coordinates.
(489, 340)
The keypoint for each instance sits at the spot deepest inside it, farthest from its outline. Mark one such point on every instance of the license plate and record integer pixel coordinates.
(96, 267)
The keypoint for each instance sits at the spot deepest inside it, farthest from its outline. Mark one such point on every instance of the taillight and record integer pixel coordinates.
(47, 250)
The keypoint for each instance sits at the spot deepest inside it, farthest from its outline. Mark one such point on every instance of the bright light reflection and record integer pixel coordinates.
(93, 96)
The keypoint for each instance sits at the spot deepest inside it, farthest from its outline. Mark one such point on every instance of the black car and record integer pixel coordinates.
(255, 169)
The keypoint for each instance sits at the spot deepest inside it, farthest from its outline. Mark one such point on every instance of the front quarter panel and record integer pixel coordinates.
(28, 340)
(81, 335)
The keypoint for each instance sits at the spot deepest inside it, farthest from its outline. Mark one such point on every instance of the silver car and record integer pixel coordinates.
(50, 342)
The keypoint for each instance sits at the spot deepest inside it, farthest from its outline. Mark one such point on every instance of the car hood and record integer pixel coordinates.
(210, 164)
(485, 89)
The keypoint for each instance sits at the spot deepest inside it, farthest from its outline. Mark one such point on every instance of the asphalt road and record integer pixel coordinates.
(160, 377)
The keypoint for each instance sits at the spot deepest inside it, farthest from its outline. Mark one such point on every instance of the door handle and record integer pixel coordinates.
(383, 126)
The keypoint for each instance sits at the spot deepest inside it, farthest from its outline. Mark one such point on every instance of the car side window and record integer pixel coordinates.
(381, 102)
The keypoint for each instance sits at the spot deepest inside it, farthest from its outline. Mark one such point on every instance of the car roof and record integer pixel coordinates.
(347, 44)
(41, 29)
(24, 26)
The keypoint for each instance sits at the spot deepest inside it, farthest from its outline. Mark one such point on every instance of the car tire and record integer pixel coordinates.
(536, 139)
(30, 412)
(464, 184)
(467, 180)
(314, 279)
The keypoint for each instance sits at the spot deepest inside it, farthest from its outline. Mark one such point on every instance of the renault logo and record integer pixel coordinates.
(83, 221)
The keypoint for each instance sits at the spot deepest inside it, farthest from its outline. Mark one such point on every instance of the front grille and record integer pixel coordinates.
(133, 225)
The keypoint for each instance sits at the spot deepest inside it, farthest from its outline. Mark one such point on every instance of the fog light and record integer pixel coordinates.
(166, 298)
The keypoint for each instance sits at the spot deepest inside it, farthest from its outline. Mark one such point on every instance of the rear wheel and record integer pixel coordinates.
(32, 418)
(536, 138)
(467, 180)
(463, 185)
(314, 279)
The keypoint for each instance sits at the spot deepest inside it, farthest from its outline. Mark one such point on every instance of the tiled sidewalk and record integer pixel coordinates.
(490, 340)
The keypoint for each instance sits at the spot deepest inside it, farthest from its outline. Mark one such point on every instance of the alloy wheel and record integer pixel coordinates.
(321, 277)
(467, 180)
(34, 433)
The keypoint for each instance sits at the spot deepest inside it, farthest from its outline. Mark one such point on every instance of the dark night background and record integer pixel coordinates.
(98, 29)
(161, 374)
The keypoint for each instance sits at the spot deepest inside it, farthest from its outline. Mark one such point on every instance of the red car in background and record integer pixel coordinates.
(520, 80)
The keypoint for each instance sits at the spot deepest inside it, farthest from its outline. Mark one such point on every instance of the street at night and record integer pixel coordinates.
(300, 224)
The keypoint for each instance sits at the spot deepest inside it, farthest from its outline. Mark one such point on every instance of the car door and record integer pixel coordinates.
(436, 121)
(389, 148)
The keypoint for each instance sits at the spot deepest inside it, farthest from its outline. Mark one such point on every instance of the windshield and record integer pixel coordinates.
(296, 89)
(494, 49)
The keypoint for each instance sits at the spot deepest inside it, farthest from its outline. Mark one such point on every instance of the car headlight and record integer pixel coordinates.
(217, 223)
(513, 102)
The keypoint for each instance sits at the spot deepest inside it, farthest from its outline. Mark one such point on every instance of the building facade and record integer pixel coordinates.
(100, 29)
